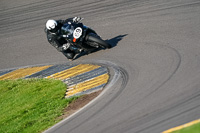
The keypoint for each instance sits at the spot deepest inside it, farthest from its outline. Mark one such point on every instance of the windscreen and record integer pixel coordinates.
(67, 29)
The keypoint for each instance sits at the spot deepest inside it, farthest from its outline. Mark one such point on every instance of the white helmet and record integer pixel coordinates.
(51, 24)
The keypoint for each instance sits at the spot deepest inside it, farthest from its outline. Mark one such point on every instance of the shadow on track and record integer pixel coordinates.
(113, 42)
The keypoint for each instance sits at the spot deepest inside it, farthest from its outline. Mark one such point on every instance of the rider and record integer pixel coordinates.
(53, 28)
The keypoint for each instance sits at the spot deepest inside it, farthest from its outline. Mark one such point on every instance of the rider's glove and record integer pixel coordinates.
(66, 46)
(76, 19)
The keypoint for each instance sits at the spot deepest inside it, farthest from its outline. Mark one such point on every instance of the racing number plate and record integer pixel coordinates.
(77, 32)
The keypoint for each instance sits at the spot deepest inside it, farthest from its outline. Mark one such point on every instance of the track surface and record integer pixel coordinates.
(156, 42)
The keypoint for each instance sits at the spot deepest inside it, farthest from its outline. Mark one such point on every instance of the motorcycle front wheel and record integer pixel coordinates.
(68, 55)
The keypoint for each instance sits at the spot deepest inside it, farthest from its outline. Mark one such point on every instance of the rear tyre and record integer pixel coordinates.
(96, 39)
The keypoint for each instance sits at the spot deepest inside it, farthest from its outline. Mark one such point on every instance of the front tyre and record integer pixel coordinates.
(96, 39)
(69, 55)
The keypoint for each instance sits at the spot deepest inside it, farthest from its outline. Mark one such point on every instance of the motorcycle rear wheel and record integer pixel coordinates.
(95, 38)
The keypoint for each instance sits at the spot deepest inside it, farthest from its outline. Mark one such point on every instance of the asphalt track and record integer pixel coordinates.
(156, 53)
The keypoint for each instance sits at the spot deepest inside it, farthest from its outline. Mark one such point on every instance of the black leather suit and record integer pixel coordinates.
(57, 41)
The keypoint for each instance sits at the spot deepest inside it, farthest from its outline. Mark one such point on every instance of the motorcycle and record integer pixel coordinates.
(82, 37)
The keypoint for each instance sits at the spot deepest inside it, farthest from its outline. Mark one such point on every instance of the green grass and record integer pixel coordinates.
(191, 129)
(32, 105)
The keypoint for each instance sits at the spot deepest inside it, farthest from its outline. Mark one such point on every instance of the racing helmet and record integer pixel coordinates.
(51, 25)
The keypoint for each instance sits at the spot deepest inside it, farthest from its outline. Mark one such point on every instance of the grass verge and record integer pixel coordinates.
(31, 105)
(191, 129)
